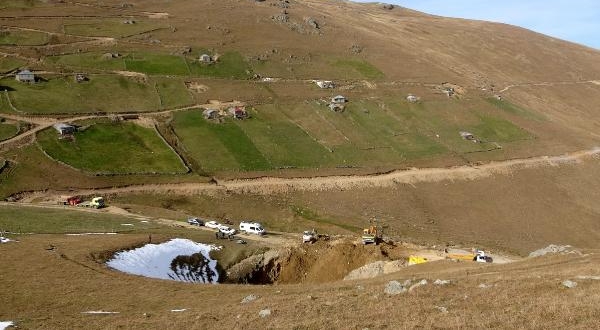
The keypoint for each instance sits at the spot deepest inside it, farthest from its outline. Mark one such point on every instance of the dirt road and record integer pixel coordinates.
(274, 185)
(273, 239)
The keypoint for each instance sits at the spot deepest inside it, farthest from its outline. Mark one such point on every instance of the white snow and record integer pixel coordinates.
(154, 260)
(179, 310)
(99, 312)
(5, 324)
(126, 224)
(84, 234)
(5, 239)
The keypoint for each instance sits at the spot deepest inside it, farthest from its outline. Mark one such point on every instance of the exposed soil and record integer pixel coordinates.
(272, 185)
(321, 262)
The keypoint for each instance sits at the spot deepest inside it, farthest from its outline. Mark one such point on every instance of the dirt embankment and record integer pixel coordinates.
(323, 261)
(275, 185)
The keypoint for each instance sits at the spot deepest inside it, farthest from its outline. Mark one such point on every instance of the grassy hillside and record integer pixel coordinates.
(113, 148)
(100, 93)
(55, 221)
(7, 131)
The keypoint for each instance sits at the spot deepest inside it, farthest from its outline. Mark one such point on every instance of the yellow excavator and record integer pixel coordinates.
(371, 235)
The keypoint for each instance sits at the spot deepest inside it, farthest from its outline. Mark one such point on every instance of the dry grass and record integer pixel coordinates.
(59, 285)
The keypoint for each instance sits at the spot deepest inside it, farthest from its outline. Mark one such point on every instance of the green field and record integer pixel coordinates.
(56, 221)
(173, 92)
(110, 28)
(10, 63)
(514, 109)
(156, 64)
(218, 146)
(7, 131)
(229, 65)
(23, 38)
(103, 93)
(368, 133)
(113, 148)
(357, 68)
(319, 65)
(92, 60)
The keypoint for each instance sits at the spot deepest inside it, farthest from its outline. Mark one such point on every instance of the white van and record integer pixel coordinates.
(252, 228)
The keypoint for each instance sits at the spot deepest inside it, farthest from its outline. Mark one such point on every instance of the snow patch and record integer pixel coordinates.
(126, 224)
(178, 260)
(179, 310)
(99, 312)
(6, 324)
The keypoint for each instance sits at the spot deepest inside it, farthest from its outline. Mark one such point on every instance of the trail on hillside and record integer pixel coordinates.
(275, 185)
(45, 122)
(549, 83)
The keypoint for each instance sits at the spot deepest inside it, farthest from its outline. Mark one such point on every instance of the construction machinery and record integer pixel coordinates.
(371, 235)
(481, 257)
(478, 256)
(96, 203)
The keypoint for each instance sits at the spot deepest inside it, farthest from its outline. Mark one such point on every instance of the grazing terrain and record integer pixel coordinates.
(127, 147)
(318, 119)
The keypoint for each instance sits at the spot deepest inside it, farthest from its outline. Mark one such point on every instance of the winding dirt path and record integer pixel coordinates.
(45, 122)
(274, 185)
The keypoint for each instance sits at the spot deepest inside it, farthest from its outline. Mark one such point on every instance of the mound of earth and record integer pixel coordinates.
(323, 261)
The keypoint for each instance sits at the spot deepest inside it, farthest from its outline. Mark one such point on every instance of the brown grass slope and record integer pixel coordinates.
(59, 285)
(401, 42)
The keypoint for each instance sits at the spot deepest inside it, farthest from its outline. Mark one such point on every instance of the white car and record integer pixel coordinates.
(226, 230)
(252, 228)
(212, 224)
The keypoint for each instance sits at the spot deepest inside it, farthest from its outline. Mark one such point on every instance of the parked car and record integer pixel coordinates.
(212, 224)
(226, 230)
(195, 222)
(252, 228)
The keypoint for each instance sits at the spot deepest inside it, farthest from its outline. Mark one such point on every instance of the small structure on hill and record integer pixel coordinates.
(210, 114)
(449, 91)
(205, 58)
(467, 136)
(238, 112)
(108, 56)
(325, 84)
(339, 99)
(128, 21)
(412, 98)
(80, 77)
(338, 103)
(64, 129)
(25, 76)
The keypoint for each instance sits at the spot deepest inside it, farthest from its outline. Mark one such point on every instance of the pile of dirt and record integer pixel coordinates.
(323, 261)
(554, 249)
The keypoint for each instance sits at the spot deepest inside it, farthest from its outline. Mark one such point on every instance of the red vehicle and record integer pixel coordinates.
(70, 200)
